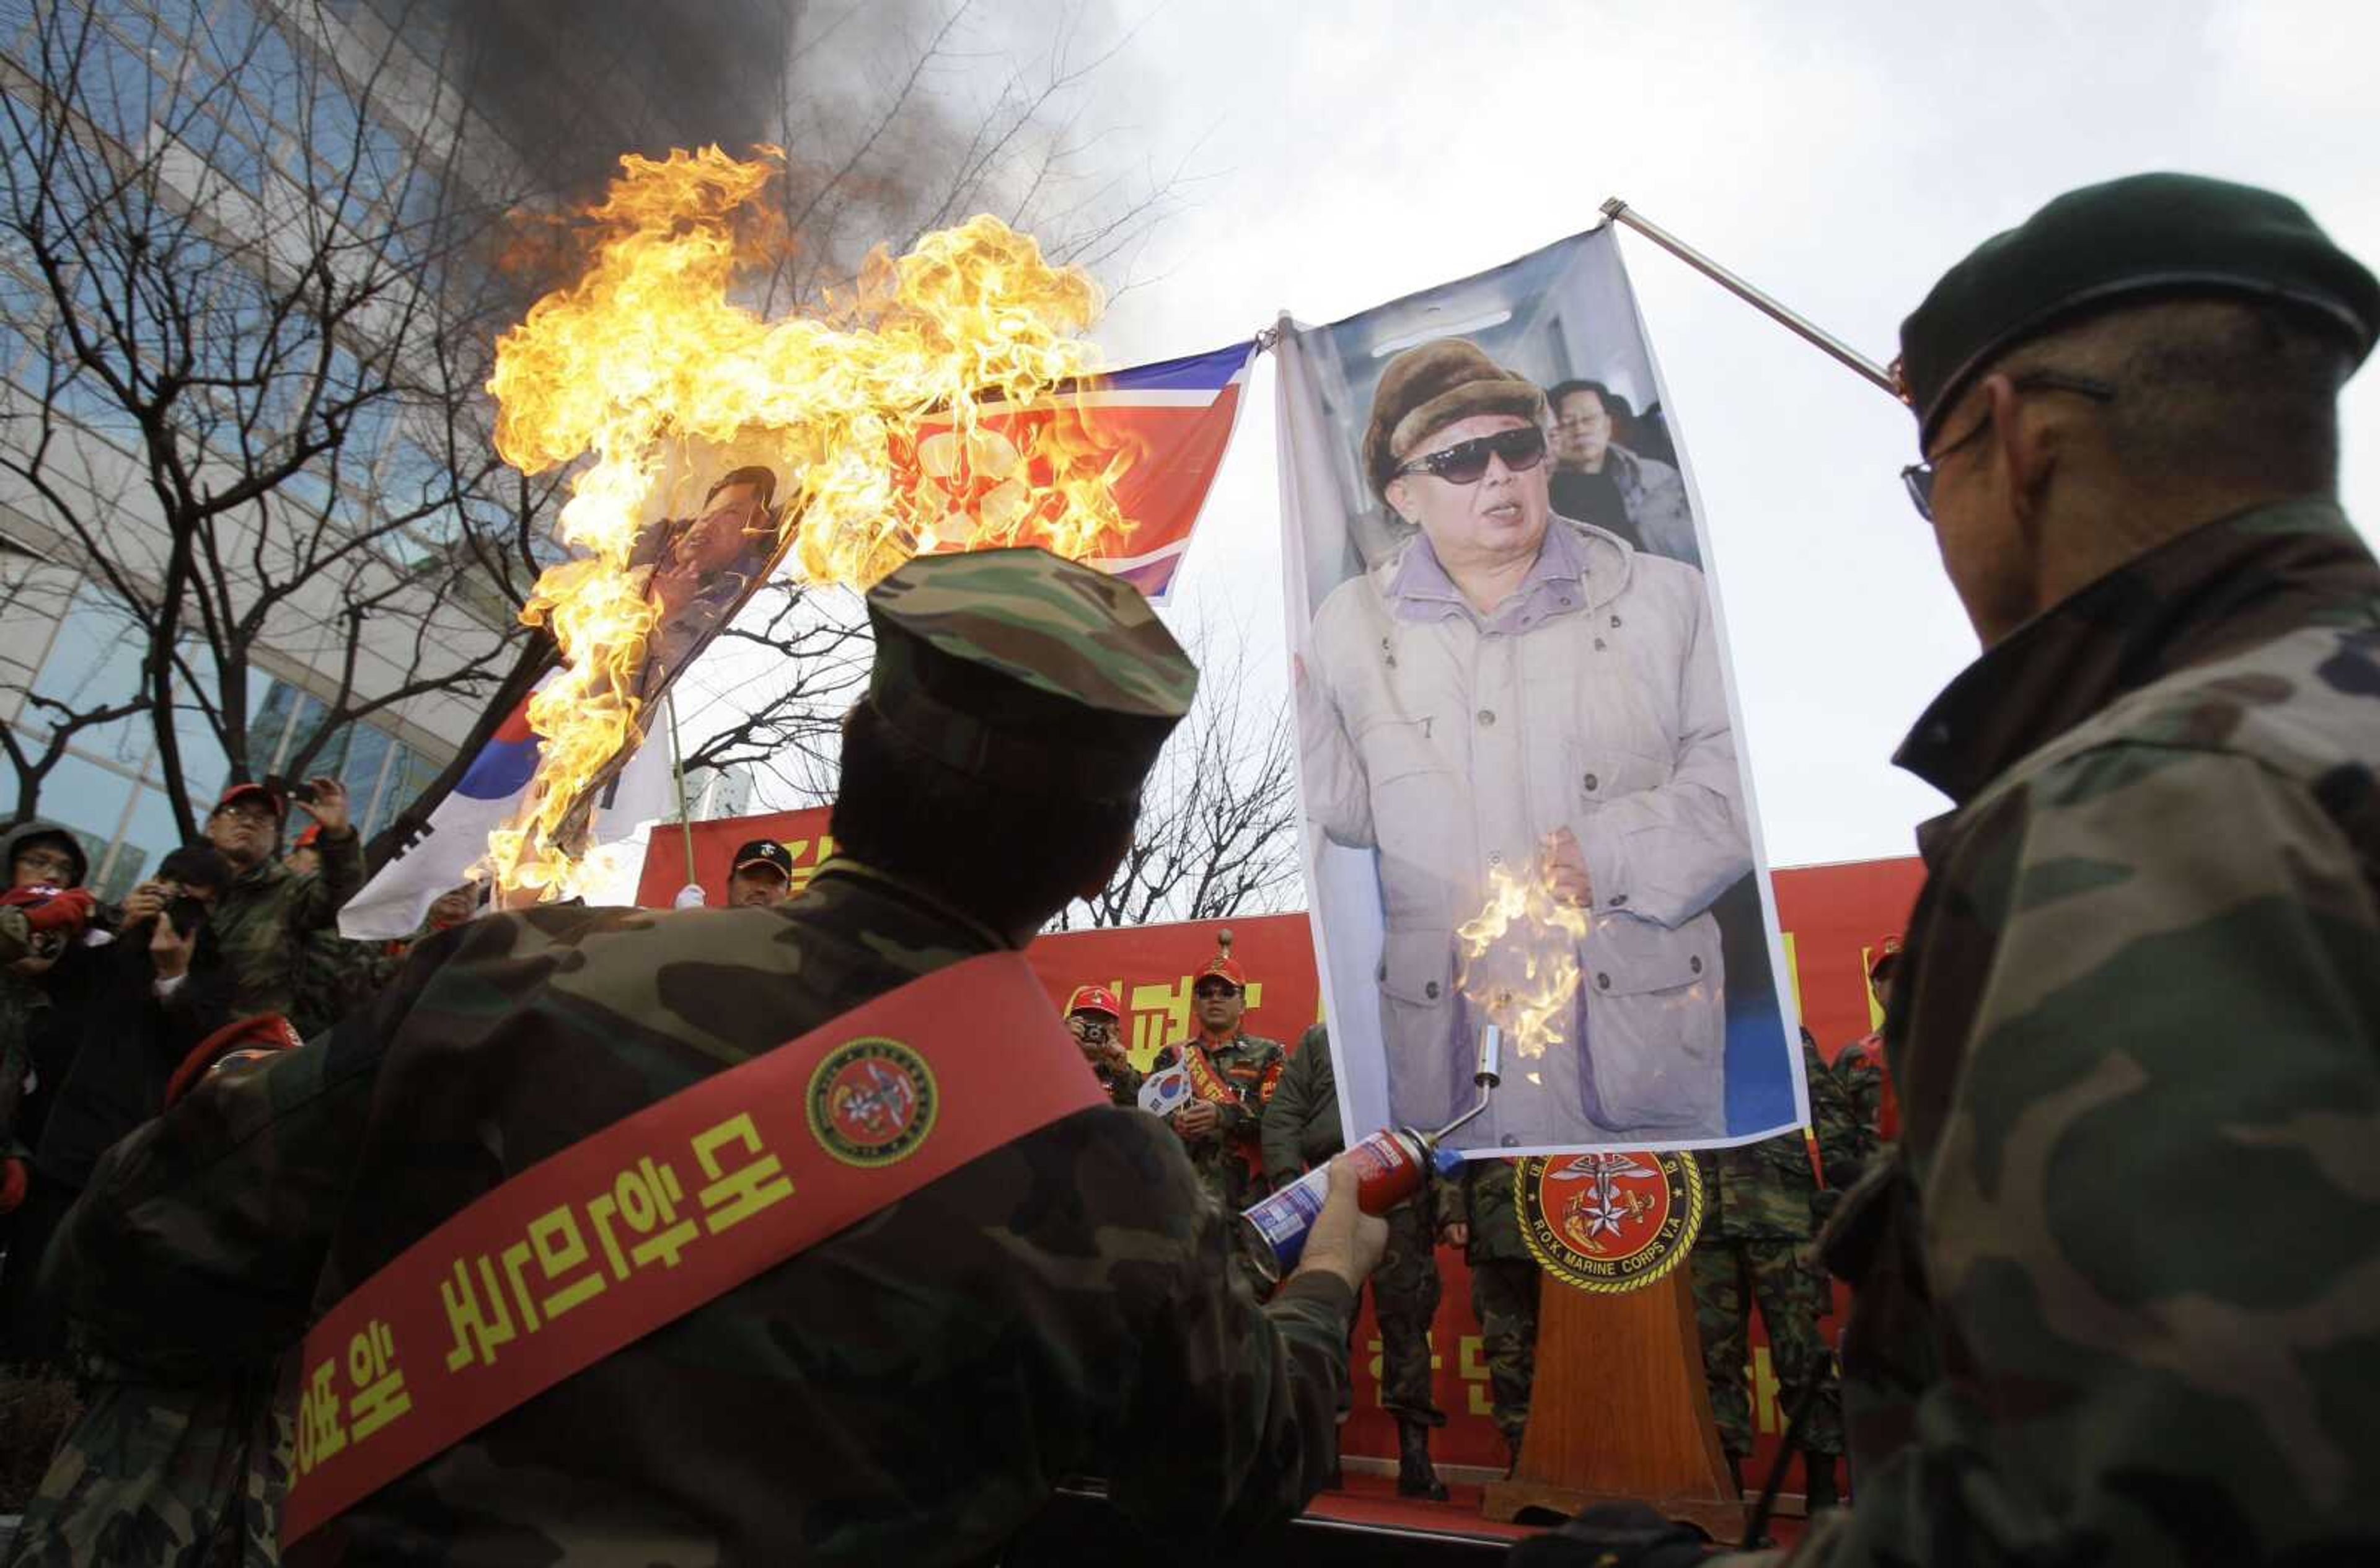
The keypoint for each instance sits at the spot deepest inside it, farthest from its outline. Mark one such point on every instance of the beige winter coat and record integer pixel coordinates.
(1454, 743)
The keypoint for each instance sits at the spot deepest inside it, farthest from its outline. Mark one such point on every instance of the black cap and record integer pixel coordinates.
(2112, 244)
(764, 852)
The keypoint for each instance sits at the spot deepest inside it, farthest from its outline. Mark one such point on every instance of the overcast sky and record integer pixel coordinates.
(1839, 156)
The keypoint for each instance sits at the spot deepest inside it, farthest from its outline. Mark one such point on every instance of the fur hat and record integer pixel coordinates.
(1428, 388)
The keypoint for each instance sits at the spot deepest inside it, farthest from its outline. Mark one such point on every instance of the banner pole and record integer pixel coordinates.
(1619, 212)
(677, 772)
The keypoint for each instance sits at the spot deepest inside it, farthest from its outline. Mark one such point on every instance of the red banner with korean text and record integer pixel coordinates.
(803, 834)
(1832, 917)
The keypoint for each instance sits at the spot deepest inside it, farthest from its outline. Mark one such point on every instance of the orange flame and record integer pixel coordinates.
(1520, 955)
(880, 409)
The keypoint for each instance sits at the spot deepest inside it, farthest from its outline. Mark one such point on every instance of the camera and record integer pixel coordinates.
(187, 912)
(289, 789)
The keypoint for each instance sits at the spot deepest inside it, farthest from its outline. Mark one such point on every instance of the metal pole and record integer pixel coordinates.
(1619, 212)
(677, 772)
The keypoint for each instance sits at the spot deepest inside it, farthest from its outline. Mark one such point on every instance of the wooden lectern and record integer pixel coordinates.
(1619, 1410)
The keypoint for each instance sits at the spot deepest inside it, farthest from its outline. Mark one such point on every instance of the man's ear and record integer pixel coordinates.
(1399, 491)
(2027, 449)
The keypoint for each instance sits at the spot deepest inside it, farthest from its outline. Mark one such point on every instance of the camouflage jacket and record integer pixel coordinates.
(1859, 1067)
(336, 976)
(1230, 1163)
(1300, 1126)
(1764, 1190)
(262, 922)
(185, 1476)
(909, 1391)
(2119, 1283)
(1482, 1199)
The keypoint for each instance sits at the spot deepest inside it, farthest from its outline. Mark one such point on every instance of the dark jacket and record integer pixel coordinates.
(120, 1043)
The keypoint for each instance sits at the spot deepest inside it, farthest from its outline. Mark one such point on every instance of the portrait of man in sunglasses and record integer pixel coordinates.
(1512, 695)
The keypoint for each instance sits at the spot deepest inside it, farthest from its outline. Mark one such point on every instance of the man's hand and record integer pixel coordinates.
(329, 806)
(170, 951)
(145, 902)
(1565, 868)
(1344, 1241)
(1199, 1119)
(1456, 1233)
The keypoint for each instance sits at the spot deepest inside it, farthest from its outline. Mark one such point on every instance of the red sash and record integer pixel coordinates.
(1205, 1082)
(634, 1227)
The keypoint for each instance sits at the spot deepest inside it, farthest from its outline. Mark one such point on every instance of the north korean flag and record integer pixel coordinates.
(1167, 426)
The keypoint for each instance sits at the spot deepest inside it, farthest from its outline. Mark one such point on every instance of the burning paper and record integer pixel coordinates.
(866, 419)
(1521, 962)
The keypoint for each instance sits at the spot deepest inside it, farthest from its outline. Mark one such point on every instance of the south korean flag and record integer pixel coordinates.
(1161, 1094)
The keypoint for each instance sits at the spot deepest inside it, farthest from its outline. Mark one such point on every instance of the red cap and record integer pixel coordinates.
(1223, 964)
(263, 1035)
(1095, 998)
(1883, 954)
(280, 807)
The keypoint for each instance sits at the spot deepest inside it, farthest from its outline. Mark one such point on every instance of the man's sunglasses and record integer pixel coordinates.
(1919, 477)
(1466, 462)
(1206, 993)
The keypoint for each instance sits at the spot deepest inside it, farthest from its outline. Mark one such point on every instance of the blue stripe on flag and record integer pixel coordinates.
(1192, 372)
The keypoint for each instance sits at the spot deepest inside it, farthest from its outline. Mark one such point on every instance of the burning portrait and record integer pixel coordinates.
(701, 569)
(1524, 798)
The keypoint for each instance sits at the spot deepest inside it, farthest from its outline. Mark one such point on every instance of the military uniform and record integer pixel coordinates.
(153, 1476)
(1301, 1130)
(337, 975)
(1505, 1279)
(1858, 1071)
(1758, 1217)
(263, 920)
(910, 1390)
(2116, 1291)
(1229, 1161)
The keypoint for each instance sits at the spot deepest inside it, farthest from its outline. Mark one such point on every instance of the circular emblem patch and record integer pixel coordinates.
(1606, 1221)
(872, 1101)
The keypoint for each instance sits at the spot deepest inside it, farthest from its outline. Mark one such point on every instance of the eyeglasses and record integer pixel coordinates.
(47, 863)
(1466, 462)
(1918, 478)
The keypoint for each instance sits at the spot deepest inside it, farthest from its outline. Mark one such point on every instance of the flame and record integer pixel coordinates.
(1534, 974)
(882, 410)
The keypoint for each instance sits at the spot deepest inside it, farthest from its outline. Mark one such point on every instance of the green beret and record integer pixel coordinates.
(1027, 671)
(2111, 244)
(1426, 389)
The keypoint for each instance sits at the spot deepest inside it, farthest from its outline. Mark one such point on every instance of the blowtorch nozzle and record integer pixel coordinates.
(1488, 1073)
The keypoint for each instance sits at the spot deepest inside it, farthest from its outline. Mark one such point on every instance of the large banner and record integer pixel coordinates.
(1526, 803)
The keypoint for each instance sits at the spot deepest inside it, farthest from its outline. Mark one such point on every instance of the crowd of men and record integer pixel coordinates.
(2110, 1244)
(99, 1004)
(1274, 1116)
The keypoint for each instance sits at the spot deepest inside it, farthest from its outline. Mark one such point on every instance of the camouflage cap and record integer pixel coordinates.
(2116, 244)
(1027, 671)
